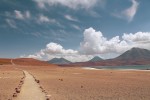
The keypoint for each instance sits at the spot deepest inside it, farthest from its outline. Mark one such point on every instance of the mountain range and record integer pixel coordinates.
(134, 56)
(60, 61)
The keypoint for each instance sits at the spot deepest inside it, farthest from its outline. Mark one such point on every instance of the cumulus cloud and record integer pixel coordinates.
(73, 4)
(22, 15)
(36, 56)
(72, 58)
(137, 37)
(95, 43)
(128, 13)
(54, 48)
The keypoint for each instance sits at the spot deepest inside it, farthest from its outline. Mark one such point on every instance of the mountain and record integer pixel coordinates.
(59, 61)
(96, 58)
(135, 54)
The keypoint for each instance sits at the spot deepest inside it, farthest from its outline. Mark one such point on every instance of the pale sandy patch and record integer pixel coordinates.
(30, 89)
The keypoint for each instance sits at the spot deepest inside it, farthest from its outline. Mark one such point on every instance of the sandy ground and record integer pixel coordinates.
(30, 89)
(83, 84)
(75, 83)
(9, 80)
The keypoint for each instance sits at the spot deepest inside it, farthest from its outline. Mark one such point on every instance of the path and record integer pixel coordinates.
(30, 90)
(12, 62)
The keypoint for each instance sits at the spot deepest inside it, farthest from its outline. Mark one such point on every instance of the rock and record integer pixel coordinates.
(61, 79)
(48, 97)
(18, 90)
(15, 95)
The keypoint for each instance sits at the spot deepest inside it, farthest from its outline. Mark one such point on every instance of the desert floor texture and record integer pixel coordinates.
(74, 83)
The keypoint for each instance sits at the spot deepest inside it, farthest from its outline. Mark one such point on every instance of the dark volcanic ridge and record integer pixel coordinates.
(134, 56)
(59, 61)
(96, 58)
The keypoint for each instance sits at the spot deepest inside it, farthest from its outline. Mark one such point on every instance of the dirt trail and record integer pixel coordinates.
(12, 62)
(30, 90)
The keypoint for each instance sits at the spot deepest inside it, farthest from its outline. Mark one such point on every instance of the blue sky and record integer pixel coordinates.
(76, 30)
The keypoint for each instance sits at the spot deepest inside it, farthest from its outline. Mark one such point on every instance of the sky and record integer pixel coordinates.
(74, 29)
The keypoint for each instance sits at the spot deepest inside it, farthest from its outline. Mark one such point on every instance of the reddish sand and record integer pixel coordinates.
(9, 80)
(4, 61)
(81, 84)
(30, 62)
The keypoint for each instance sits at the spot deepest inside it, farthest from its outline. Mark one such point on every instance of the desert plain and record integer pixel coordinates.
(76, 83)
(9, 80)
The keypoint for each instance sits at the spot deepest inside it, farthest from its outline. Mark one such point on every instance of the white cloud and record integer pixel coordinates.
(73, 58)
(34, 56)
(45, 19)
(76, 27)
(73, 4)
(11, 23)
(18, 14)
(54, 48)
(137, 37)
(27, 14)
(22, 15)
(95, 43)
(68, 17)
(128, 13)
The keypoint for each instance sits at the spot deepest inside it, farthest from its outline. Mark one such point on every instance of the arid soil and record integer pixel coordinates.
(82, 84)
(30, 89)
(9, 80)
(66, 83)
(30, 62)
(4, 61)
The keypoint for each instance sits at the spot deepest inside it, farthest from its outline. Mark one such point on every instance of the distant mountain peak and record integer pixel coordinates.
(135, 54)
(96, 58)
(136, 49)
(59, 61)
